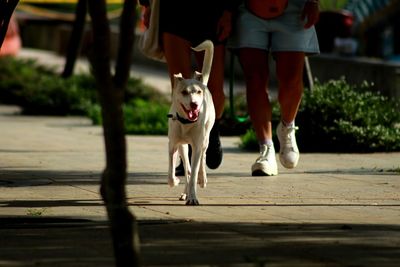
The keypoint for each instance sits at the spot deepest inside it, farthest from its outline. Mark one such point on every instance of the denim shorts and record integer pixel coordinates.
(283, 33)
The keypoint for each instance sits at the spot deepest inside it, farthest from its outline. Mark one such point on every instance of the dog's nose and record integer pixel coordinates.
(193, 105)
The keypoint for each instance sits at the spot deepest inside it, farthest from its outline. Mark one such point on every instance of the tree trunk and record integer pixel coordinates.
(6, 10)
(75, 39)
(122, 222)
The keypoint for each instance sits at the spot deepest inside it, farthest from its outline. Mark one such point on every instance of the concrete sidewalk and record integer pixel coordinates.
(333, 210)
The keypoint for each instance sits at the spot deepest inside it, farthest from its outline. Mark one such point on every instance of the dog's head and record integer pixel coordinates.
(188, 95)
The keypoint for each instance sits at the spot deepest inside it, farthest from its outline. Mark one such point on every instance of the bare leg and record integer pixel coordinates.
(178, 55)
(289, 66)
(289, 70)
(255, 67)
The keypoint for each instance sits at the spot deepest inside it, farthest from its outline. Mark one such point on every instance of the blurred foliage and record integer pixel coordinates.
(41, 91)
(70, 8)
(338, 117)
(332, 4)
(333, 117)
(140, 116)
(38, 90)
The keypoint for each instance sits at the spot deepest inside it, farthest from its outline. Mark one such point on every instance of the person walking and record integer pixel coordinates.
(287, 31)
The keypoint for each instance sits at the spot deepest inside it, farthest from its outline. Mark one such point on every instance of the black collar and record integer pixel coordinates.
(180, 119)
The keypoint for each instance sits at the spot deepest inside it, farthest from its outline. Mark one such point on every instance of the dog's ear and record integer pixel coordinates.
(177, 78)
(198, 76)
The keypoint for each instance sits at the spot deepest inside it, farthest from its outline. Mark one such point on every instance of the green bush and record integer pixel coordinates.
(338, 117)
(332, 5)
(140, 116)
(41, 91)
(145, 117)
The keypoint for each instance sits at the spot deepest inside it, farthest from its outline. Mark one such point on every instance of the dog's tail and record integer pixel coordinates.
(208, 48)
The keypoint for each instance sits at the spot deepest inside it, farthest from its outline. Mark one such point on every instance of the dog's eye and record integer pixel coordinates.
(185, 93)
(199, 92)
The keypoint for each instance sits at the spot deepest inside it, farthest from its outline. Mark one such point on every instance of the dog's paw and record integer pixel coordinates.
(192, 202)
(183, 197)
(173, 181)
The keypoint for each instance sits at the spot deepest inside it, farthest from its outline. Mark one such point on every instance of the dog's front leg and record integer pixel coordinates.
(173, 155)
(183, 152)
(195, 166)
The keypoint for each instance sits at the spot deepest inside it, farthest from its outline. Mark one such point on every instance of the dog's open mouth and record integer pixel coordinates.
(191, 114)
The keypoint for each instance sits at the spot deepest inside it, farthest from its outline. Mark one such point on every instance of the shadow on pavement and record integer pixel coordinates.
(49, 241)
(171, 202)
(26, 176)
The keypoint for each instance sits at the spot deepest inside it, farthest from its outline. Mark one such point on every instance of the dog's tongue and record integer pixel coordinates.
(192, 115)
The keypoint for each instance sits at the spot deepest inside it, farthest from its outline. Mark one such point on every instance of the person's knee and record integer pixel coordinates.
(289, 69)
(254, 63)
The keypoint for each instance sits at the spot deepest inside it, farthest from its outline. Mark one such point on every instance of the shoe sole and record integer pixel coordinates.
(261, 172)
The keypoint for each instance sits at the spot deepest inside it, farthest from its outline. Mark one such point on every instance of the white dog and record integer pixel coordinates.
(192, 116)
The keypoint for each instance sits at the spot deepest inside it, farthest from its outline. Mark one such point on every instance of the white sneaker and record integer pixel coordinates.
(289, 152)
(265, 165)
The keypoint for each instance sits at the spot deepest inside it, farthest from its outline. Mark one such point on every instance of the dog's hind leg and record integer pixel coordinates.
(202, 180)
(173, 156)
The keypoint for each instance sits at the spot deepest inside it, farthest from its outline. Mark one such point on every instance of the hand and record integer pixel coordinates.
(224, 27)
(311, 13)
(146, 16)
